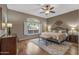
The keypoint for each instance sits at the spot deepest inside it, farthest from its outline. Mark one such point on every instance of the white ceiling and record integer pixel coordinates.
(35, 9)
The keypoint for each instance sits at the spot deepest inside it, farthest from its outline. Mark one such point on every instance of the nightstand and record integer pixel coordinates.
(73, 38)
(8, 45)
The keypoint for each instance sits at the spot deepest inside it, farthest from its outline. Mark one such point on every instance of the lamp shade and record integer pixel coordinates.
(3, 25)
(9, 25)
(72, 28)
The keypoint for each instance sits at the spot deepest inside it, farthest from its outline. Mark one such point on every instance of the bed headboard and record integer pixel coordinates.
(62, 29)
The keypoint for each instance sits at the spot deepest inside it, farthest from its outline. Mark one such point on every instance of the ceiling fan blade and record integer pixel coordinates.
(41, 12)
(43, 8)
(51, 8)
(52, 11)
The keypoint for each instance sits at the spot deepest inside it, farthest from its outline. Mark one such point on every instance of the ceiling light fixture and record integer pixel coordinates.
(47, 9)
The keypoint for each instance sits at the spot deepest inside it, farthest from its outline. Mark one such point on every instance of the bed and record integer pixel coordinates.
(57, 35)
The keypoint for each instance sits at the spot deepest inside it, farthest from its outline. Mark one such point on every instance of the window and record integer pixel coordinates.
(31, 26)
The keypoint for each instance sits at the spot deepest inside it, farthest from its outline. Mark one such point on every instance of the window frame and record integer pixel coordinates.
(25, 30)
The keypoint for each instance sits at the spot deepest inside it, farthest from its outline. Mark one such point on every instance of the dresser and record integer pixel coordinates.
(8, 45)
(73, 38)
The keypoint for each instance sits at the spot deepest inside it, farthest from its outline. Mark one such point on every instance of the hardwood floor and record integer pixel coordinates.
(73, 50)
(26, 47)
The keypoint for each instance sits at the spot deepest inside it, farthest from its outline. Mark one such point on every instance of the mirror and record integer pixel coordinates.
(3, 18)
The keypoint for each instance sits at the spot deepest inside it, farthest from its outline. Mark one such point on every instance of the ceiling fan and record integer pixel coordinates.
(47, 9)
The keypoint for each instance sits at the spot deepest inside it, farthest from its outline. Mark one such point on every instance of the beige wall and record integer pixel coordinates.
(17, 19)
(68, 19)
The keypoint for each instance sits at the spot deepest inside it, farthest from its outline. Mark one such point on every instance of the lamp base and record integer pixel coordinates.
(9, 31)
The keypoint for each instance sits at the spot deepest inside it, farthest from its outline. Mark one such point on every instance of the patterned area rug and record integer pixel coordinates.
(51, 47)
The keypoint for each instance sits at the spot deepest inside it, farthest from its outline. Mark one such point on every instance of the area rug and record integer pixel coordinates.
(51, 47)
